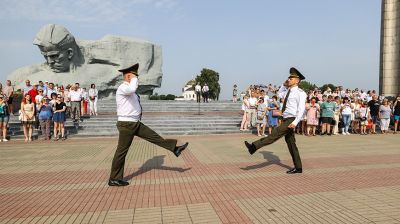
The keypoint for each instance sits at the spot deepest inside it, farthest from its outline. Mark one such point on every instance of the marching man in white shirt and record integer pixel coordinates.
(292, 112)
(129, 112)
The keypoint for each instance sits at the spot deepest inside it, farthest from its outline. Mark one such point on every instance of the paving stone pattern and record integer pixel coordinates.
(346, 179)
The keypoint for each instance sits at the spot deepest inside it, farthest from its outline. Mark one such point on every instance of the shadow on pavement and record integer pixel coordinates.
(155, 163)
(271, 159)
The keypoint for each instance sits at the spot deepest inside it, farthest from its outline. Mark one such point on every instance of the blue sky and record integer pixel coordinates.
(247, 42)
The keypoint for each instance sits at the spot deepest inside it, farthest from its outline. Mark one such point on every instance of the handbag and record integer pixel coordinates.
(20, 115)
(341, 124)
(365, 117)
(2, 109)
(276, 113)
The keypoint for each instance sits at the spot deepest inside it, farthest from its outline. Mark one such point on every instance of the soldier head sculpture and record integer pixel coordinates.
(69, 60)
(58, 47)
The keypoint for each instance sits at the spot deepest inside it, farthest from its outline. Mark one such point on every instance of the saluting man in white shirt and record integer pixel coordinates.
(129, 112)
(292, 112)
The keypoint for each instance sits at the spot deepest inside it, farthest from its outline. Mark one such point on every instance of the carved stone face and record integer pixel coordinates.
(57, 45)
(58, 60)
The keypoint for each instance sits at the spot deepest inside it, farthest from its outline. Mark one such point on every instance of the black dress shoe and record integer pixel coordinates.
(179, 149)
(294, 170)
(252, 149)
(118, 183)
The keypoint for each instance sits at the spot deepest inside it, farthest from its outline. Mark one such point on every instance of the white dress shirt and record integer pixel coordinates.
(197, 88)
(296, 103)
(75, 96)
(128, 104)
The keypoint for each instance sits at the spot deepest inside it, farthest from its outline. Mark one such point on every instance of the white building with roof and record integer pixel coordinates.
(188, 91)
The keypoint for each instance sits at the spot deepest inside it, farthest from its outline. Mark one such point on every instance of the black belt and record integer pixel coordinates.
(285, 119)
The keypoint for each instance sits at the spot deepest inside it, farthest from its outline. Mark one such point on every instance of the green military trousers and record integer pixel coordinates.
(278, 133)
(128, 130)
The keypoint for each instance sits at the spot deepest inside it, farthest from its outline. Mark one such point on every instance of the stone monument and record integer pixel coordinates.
(389, 71)
(68, 61)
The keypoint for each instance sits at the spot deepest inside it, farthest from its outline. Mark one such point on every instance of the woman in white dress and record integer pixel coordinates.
(93, 95)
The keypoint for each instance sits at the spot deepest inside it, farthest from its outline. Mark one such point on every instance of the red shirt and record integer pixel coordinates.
(33, 93)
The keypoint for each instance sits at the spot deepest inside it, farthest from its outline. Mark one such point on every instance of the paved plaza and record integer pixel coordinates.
(347, 179)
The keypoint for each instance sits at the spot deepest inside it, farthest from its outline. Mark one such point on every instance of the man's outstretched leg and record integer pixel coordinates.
(150, 135)
(276, 134)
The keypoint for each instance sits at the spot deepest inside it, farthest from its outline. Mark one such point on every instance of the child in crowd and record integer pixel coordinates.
(363, 117)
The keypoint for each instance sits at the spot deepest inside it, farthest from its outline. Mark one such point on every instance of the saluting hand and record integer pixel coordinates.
(285, 84)
(133, 76)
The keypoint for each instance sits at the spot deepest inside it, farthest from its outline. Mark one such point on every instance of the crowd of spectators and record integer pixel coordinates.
(328, 112)
(44, 105)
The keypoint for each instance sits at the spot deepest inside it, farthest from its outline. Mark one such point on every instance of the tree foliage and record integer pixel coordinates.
(162, 97)
(212, 79)
(325, 87)
(306, 86)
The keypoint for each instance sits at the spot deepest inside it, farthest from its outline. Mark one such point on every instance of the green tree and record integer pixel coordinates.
(154, 97)
(306, 86)
(162, 97)
(212, 79)
(324, 87)
(170, 97)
